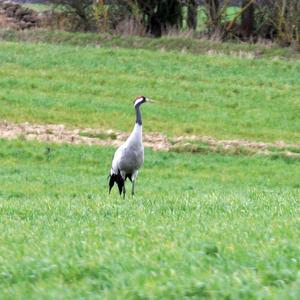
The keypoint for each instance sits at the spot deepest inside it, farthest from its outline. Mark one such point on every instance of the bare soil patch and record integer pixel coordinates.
(89, 136)
(59, 133)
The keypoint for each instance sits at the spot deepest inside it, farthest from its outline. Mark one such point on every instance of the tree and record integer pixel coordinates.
(284, 19)
(247, 19)
(213, 18)
(246, 13)
(192, 14)
(159, 15)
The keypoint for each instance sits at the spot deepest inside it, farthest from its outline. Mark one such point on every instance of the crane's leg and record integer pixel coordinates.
(123, 175)
(133, 177)
(132, 190)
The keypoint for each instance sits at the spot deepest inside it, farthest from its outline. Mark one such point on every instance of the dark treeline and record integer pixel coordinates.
(222, 19)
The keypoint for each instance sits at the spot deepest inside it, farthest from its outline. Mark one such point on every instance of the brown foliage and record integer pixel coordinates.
(17, 17)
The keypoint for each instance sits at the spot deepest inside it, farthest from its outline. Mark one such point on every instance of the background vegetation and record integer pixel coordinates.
(247, 20)
(239, 20)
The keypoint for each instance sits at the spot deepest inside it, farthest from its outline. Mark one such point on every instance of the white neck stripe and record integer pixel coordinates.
(137, 101)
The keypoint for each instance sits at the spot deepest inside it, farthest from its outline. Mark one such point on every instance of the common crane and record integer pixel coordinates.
(129, 157)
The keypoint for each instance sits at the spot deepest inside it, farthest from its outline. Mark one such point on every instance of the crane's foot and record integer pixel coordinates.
(132, 190)
(124, 192)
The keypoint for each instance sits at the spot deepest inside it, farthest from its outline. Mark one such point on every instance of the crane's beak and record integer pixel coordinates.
(150, 100)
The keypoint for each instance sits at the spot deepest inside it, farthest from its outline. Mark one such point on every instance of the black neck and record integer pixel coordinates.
(138, 115)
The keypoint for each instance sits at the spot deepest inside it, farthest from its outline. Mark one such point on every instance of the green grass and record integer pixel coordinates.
(37, 6)
(201, 226)
(179, 43)
(220, 96)
(100, 136)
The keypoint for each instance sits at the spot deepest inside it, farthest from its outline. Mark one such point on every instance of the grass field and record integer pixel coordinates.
(211, 226)
(220, 96)
(202, 226)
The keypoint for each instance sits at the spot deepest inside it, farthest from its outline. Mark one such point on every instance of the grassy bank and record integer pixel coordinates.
(180, 43)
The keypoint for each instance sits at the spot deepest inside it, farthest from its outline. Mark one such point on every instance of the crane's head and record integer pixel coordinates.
(140, 100)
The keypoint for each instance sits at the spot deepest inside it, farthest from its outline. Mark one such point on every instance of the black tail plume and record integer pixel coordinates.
(118, 179)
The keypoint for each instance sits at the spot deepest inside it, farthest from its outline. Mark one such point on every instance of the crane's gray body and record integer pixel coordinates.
(129, 157)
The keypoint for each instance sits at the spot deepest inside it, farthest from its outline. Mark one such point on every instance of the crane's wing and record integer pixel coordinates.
(115, 175)
(115, 168)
